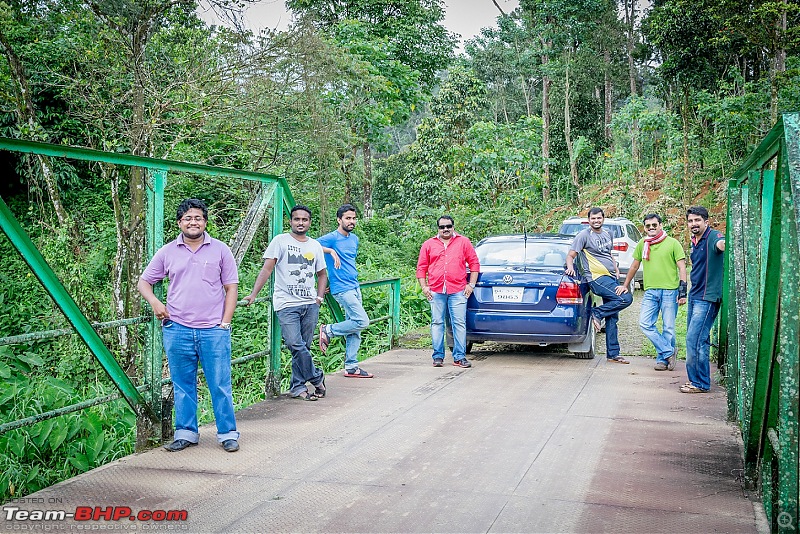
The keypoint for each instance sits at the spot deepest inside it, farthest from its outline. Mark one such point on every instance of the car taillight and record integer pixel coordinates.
(569, 293)
(622, 246)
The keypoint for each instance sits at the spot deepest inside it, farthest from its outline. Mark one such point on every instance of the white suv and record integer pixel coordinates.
(625, 235)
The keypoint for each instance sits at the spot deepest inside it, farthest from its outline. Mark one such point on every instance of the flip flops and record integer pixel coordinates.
(324, 340)
(688, 388)
(306, 396)
(618, 359)
(357, 373)
(320, 390)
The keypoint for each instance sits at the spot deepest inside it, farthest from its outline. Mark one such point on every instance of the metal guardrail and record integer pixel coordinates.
(760, 319)
(392, 319)
(146, 399)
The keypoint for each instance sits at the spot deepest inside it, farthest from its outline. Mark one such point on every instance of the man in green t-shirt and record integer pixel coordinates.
(664, 288)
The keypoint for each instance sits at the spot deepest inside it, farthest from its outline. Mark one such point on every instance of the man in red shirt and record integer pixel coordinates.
(442, 273)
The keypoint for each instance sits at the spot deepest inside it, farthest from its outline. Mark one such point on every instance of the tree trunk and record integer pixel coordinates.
(27, 116)
(608, 96)
(546, 126)
(573, 168)
(685, 117)
(780, 64)
(368, 211)
(118, 276)
(630, 23)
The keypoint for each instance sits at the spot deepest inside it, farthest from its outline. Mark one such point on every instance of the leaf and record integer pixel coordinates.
(33, 474)
(58, 436)
(60, 385)
(7, 393)
(92, 422)
(79, 462)
(94, 447)
(44, 432)
(30, 358)
(5, 370)
(17, 445)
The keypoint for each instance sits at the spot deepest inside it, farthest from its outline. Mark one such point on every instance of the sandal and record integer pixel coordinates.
(320, 390)
(324, 340)
(357, 373)
(618, 359)
(306, 396)
(597, 325)
(688, 388)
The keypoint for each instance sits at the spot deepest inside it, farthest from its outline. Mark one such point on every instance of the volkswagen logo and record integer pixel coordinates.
(507, 279)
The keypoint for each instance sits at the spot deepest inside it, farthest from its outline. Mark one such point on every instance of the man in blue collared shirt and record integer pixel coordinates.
(345, 289)
(705, 295)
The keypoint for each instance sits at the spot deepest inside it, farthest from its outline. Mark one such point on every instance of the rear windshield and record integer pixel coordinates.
(535, 254)
(573, 228)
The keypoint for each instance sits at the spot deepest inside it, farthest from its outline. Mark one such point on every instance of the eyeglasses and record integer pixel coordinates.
(651, 225)
(195, 219)
(445, 226)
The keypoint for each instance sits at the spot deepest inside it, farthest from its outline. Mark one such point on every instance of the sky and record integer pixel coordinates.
(465, 17)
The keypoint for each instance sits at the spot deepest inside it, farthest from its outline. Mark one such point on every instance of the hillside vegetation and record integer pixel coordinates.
(555, 107)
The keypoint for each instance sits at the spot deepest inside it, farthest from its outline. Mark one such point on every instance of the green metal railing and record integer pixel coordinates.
(760, 319)
(146, 399)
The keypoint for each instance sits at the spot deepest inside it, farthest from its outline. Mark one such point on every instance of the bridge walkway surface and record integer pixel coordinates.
(531, 441)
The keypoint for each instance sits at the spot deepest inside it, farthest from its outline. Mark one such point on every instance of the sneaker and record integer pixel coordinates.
(660, 366)
(438, 362)
(357, 373)
(462, 363)
(672, 360)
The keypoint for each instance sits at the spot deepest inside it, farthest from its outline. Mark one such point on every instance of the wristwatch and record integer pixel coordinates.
(225, 326)
(319, 299)
(472, 285)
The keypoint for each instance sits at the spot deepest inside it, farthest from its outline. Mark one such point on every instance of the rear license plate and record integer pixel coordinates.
(507, 294)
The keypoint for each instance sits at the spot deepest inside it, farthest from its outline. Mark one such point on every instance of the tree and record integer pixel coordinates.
(386, 35)
(28, 124)
(412, 28)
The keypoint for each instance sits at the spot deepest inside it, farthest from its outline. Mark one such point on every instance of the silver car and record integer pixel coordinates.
(625, 235)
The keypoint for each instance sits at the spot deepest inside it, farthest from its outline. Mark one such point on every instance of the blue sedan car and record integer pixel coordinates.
(523, 296)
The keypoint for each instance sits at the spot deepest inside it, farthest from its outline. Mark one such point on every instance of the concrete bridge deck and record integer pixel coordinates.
(522, 442)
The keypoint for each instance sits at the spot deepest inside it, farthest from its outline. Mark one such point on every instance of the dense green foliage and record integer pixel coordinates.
(558, 106)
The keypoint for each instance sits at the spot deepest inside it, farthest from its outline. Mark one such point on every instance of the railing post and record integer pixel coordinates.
(149, 433)
(394, 303)
(788, 405)
(272, 386)
(733, 288)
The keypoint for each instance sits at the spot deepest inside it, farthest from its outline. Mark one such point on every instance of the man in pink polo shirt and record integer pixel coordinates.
(442, 273)
(196, 322)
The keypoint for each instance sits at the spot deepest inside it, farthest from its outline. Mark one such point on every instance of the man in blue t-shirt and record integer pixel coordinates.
(345, 289)
(708, 246)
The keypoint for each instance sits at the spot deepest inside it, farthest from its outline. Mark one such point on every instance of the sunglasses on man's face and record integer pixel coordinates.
(651, 225)
(445, 226)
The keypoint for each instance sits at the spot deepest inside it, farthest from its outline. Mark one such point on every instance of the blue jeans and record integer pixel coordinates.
(664, 302)
(212, 348)
(297, 326)
(604, 288)
(454, 304)
(701, 315)
(356, 320)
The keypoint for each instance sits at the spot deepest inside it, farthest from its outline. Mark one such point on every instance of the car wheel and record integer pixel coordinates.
(585, 350)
